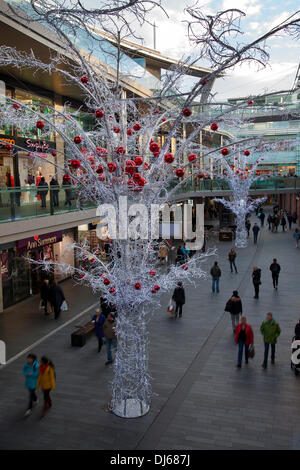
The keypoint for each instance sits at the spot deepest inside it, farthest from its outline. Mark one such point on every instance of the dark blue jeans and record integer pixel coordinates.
(240, 353)
(232, 264)
(267, 352)
(215, 284)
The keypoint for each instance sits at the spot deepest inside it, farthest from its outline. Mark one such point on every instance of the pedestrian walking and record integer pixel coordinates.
(244, 337)
(179, 299)
(179, 255)
(54, 190)
(248, 226)
(276, 222)
(255, 230)
(45, 294)
(262, 218)
(231, 258)
(109, 330)
(235, 308)
(46, 380)
(31, 373)
(283, 223)
(163, 253)
(256, 275)
(215, 274)
(99, 320)
(270, 330)
(269, 220)
(43, 191)
(275, 270)
(56, 298)
(290, 220)
(295, 217)
(296, 236)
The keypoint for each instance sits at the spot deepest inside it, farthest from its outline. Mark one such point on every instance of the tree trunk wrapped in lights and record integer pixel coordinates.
(121, 157)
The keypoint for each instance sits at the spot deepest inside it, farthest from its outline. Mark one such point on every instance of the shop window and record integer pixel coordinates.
(15, 277)
(5, 129)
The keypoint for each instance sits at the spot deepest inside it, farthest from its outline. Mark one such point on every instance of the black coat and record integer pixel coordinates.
(234, 306)
(275, 268)
(179, 295)
(56, 296)
(44, 292)
(256, 276)
(107, 307)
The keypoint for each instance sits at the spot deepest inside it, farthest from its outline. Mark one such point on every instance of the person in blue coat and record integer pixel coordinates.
(99, 320)
(31, 373)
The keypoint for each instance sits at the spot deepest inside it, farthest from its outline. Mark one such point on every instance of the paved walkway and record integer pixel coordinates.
(201, 400)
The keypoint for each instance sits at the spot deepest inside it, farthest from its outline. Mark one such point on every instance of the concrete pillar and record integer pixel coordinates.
(60, 146)
(1, 293)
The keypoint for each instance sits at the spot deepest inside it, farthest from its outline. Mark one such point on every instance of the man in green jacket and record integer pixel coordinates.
(270, 330)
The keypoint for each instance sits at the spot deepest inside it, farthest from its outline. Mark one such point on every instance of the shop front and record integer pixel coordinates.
(20, 278)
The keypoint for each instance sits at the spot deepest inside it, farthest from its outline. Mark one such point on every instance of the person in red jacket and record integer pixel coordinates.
(243, 337)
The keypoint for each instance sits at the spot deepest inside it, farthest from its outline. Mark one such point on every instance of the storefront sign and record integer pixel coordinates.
(37, 145)
(39, 241)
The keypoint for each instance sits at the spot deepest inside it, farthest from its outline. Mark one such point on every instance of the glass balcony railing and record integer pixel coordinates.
(26, 203)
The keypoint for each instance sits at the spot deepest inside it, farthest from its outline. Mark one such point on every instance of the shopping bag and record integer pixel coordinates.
(251, 351)
(41, 306)
(171, 306)
(64, 306)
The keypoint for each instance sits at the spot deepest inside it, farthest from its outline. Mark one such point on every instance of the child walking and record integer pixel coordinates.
(46, 380)
(31, 373)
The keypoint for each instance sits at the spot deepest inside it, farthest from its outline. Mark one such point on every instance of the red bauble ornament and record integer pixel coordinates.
(101, 152)
(141, 181)
(121, 150)
(40, 125)
(169, 157)
(130, 132)
(214, 126)
(137, 126)
(138, 161)
(77, 139)
(53, 154)
(99, 113)
(8, 146)
(146, 166)
(185, 267)
(152, 272)
(136, 177)
(101, 178)
(247, 153)
(100, 169)
(137, 286)
(192, 157)
(67, 178)
(200, 175)
(155, 110)
(16, 106)
(36, 237)
(112, 290)
(84, 79)
(224, 152)
(116, 129)
(163, 119)
(156, 154)
(186, 112)
(154, 147)
(156, 287)
(250, 102)
(111, 167)
(203, 82)
(130, 167)
(179, 172)
(153, 291)
(81, 276)
(75, 164)
(106, 281)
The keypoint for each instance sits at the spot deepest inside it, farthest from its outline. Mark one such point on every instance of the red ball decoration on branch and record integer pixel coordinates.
(112, 290)
(224, 152)
(146, 166)
(247, 153)
(111, 167)
(77, 139)
(136, 177)
(186, 112)
(169, 157)
(116, 129)
(152, 272)
(16, 106)
(100, 169)
(156, 287)
(106, 281)
(138, 161)
(53, 154)
(192, 157)
(8, 146)
(155, 110)
(137, 126)
(214, 126)
(141, 181)
(137, 286)
(75, 164)
(40, 125)
(200, 175)
(179, 172)
(163, 119)
(154, 147)
(250, 102)
(130, 132)
(99, 113)
(66, 178)
(121, 150)
(84, 79)
(185, 267)
(101, 152)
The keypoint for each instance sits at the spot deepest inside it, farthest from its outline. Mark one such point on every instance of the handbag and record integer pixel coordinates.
(170, 306)
(64, 306)
(251, 351)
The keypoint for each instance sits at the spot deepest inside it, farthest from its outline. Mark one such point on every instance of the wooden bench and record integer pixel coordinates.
(79, 337)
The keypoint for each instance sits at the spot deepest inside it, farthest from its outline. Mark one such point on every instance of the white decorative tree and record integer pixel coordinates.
(119, 159)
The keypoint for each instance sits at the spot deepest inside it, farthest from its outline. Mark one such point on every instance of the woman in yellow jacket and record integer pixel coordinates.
(46, 380)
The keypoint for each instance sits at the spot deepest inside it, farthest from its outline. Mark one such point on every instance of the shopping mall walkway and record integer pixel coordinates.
(202, 400)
